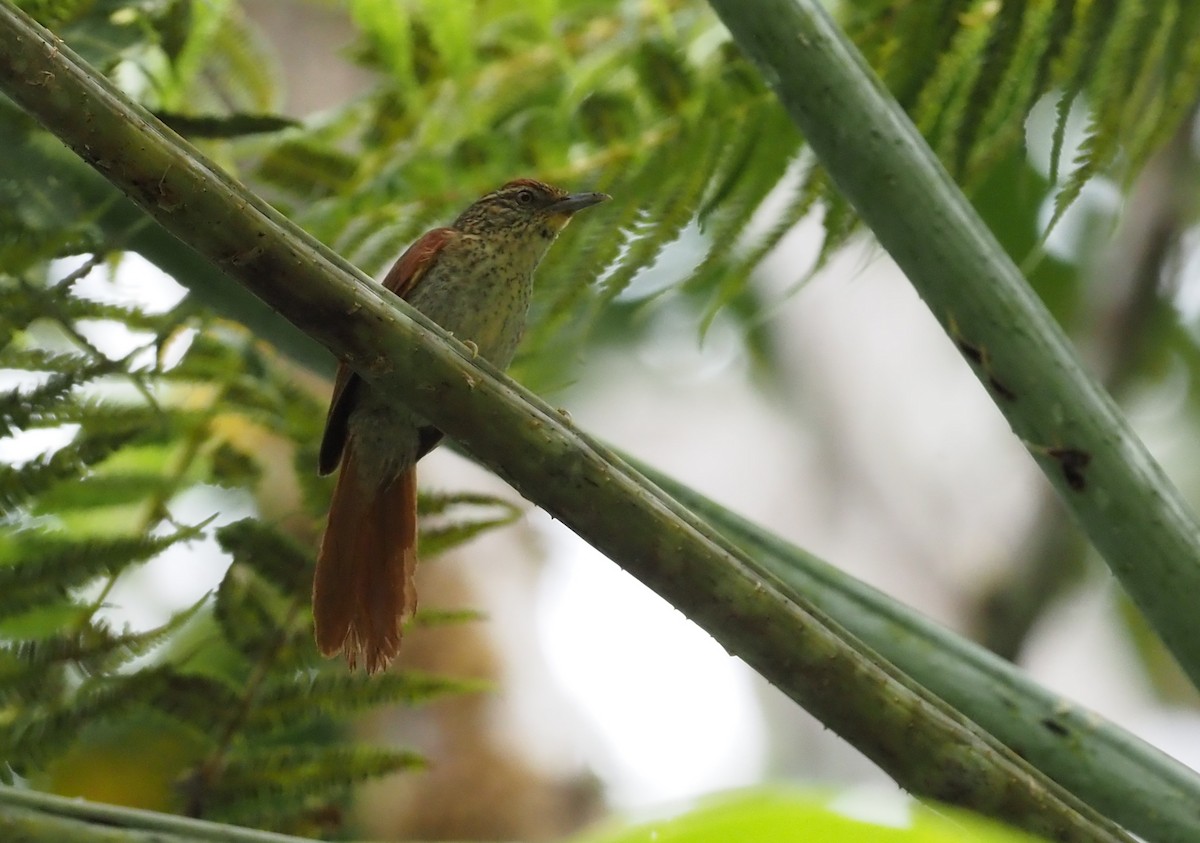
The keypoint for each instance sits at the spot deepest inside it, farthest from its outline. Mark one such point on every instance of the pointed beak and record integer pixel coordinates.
(577, 202)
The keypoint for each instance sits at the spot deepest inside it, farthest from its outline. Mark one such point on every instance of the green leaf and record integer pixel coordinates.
(269, 553)
(787, 816)
(225, 125)
(439, 537)
(93, 649)
(250, 613)
(283, 702)
(98, 490)
(40, 733)
(260, 783)
(36, 567)
(308, 168)
(20, 407)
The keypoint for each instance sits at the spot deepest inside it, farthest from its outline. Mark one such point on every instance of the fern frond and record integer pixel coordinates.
(26, 679)
(439, 503)
(968, 71)
(78, 309)
(94, 649)
(593, 248)
(239, 74)
(438, 539)
(130, 645)
(277, 558)
(905, 41)
(1126, 60)
(20, 407)
(96, 490)
(143, 423)
(41, 733)
(427, 617)
(1008, 30)
(839, 222)
(210, 357)
(1062, 113)
(1095, 149)
(381, 240)
(1181, 65)
(282, 703)
(14, 356)
(199, 702)
(664, 74)
(1131, 37)
(1143, 110)
(250, 614)
(941, 111)
(805, 198)
(1057, 34)
(670, 208)
(235, 125)
(36, 567)
(283, 781)
(20, 485)
(308, 168)
(750, 175)
(388, 35)
(1074, 68)
(1015, 90)
(1129, 47)
(439, 532)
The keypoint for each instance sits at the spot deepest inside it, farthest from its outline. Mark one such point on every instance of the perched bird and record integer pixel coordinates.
(474, 278)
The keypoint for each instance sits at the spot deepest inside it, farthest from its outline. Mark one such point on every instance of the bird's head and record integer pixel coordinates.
(525, 208)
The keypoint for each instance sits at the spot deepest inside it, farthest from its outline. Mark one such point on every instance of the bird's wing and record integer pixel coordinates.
(401, 279)
(411, 266)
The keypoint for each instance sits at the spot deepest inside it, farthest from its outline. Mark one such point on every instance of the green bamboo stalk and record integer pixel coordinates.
(1148, 535)
(31, 817)
(1116, 773)
(923, 743)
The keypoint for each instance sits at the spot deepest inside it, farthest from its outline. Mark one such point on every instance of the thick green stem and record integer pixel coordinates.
(879, 161)
(1148, 792)
(28, 817)
(927, 746)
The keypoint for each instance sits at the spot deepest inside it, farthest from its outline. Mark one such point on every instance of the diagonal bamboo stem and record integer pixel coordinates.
(1138, 521)
(42, 818)
(1119, 775)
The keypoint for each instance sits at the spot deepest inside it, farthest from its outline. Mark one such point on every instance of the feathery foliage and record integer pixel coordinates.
(225, 693)
(648, 101)
(229, 687)
(970, 70)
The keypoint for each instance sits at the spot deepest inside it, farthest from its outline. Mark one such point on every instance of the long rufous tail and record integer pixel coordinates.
(363, 589)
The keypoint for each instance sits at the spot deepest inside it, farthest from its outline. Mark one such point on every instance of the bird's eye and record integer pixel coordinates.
(525, 196)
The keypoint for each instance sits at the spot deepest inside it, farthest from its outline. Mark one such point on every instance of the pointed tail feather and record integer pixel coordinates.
(363, 588)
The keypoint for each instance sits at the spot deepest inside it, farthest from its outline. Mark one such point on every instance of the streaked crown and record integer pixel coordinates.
(522, 206)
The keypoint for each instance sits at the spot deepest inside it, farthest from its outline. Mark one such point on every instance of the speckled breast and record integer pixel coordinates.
(480, 294)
